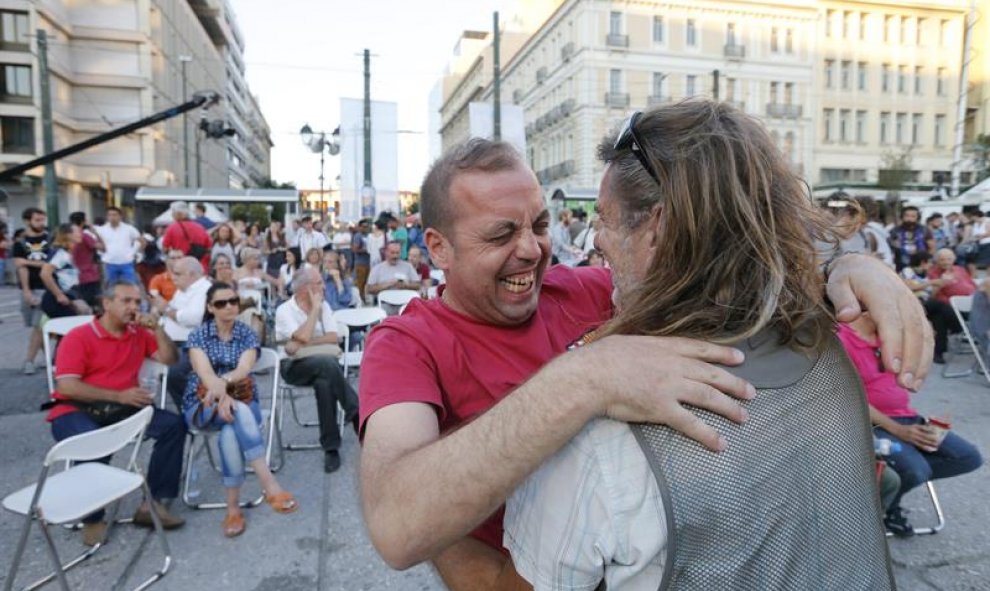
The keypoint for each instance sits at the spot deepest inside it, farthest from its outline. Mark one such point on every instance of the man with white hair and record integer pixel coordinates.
(306, 326)
(182, 314)
(187, 236)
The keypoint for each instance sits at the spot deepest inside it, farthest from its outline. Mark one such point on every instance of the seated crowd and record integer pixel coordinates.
(206, 315)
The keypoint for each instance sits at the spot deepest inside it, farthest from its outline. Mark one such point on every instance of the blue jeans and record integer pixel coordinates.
(123, 271)
(165, 467)
(240, 442)
(915, 467)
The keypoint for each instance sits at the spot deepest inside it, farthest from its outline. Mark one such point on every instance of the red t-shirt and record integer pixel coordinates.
(424, 271)
(962, 284)
(100, 359)
(83, 257)
(462, 367)
(175, 237)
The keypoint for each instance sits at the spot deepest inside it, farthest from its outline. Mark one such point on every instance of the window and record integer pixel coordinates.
(789, 146)
(902, 79)
(774, 87)
(918, 28)
(917, 79)
(658, 84)
(730, 34)
(847, 24)
(14, 31)
(829, 72)
(692, 32)
(861, 76)
(730, 89)
(829, 17)
(905, 24)
(788, 93)
(774, 46)
(614, 23)
(940, 82)
(16, 83)
(18, 134)
(939, 130)
(827, 120)
(845, 75)
(887, 22)
(658, 35)
(789, 41)
(844, 124)
(689, 87)
(885, 78)
(884, 127)
(899, 125)
(615, 81)
(860, 127)
(862, 26)
(943, 32)
(916, 129)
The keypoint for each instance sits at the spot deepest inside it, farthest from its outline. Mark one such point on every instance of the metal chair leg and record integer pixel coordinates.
(295, 412)
(59, 569)
(21, 544)
(939, 514)
(162, 541)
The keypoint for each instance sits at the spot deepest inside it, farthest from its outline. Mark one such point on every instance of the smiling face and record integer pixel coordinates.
(498, 247)
(628, 252)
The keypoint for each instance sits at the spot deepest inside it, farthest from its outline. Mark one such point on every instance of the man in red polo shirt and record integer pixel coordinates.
(184, 234)
(98, 363)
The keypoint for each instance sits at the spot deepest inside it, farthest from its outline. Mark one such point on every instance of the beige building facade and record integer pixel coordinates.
(801, 66)
(112, 63)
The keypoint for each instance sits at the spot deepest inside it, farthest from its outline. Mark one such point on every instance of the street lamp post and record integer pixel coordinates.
(183, 60)
(317, 141)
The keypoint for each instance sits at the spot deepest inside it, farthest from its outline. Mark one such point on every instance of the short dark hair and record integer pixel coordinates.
(77, 218)
(908, 208)
(114, 208)
(200, 207)
(934, 216)
(110, 289)
(306, 218)
(30, 212)
(217, 286)
(919, 257)
(476, 154)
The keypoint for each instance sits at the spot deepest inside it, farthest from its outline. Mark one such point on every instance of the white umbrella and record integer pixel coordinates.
(211, 212)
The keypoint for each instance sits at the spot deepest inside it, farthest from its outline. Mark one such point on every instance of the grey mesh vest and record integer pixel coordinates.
(792, 504)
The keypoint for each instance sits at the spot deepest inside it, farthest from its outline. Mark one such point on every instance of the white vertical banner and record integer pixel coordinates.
(482, 120)
(384, 158)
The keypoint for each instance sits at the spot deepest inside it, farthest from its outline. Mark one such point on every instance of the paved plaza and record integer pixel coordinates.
(324, 546)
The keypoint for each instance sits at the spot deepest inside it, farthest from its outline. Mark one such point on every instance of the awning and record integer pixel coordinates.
(573, 194)
(218, 195)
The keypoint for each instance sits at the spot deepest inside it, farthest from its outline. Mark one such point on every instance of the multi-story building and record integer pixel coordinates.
(111, 64)
(812, 70)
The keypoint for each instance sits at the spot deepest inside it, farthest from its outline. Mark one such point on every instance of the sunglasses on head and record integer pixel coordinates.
(221, 304)
(628, 140)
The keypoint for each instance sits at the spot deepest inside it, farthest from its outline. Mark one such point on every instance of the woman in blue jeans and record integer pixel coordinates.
(922, 456)
(222, 351)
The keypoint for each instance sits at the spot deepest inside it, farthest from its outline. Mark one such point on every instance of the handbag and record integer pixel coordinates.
(196, 251)
(241, 390)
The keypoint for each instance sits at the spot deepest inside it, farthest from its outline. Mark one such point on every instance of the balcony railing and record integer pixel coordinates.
(782, 110)
(541, 75)
(567, 51)
(613, 40)
(617, 99)
(735, 51)
(517, 96)
(658, 99)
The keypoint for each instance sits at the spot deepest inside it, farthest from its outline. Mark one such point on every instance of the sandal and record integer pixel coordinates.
(282, 502)
(233, 525)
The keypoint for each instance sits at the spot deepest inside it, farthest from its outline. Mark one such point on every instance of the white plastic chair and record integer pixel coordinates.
(58, 327)
(397, 297)
(352, 319)
(200, 440)
(437, 275)
(962, 305)
(70, 495)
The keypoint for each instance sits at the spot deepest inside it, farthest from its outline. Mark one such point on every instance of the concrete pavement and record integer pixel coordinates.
(324, 546)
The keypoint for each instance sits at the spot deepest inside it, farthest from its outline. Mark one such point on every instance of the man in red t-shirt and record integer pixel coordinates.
(185, 233)
(84, 258)
(949, 279)
(455, 408)
(99, 362)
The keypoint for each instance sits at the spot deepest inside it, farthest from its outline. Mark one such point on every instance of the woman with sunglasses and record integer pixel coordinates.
(222, 351)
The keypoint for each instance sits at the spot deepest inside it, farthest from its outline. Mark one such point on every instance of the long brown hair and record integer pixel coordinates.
(736, 233)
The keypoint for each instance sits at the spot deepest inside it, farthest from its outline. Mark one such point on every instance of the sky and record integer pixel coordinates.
(303, 56)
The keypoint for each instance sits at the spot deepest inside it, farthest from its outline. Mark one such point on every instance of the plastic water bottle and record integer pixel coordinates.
(884, 447)
(193, 481)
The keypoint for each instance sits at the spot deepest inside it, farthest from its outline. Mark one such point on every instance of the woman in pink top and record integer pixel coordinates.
(922, 457)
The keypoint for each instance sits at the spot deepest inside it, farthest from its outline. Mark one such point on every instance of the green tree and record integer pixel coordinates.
(981, 156)
(894, 173)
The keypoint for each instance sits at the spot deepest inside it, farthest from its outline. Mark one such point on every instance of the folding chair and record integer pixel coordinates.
(58, 327)
(70, 495)
(357, 318)
(939, 515)
(200, 440)
(961, 305)
(396, 297)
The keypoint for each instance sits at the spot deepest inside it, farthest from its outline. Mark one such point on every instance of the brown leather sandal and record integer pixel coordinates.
(233, 525)
(282, 502)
